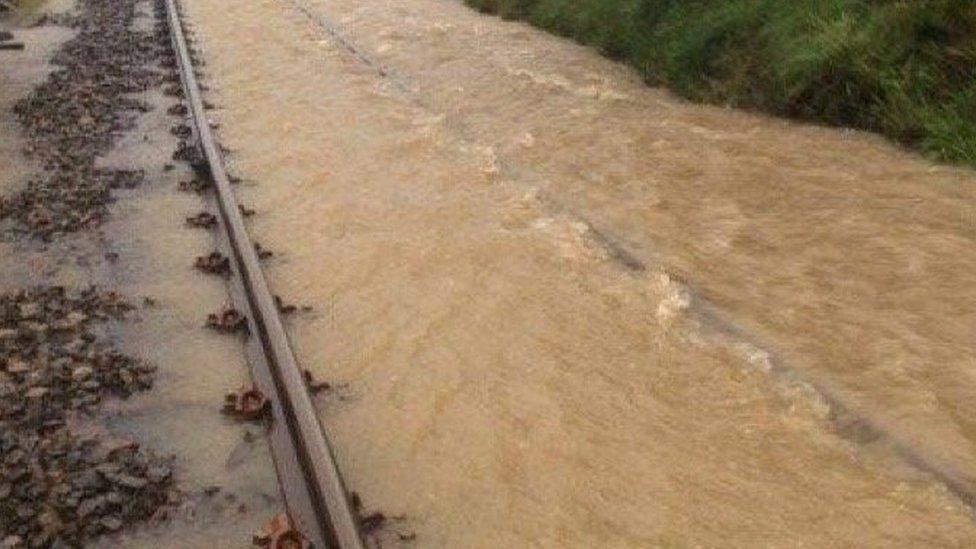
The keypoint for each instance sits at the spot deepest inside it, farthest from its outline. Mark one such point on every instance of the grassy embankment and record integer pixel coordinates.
(903, 68)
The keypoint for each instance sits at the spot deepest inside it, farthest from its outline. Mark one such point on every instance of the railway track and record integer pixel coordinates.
(318, 507)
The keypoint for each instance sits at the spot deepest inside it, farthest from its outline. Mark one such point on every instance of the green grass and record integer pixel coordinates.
(903, 68)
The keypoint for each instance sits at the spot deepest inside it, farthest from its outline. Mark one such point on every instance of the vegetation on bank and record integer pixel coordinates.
(904, 68)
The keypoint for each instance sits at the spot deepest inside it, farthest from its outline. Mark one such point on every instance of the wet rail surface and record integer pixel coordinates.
(318, 505)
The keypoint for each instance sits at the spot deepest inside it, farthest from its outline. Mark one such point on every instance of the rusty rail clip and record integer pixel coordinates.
(215, 263)
(203, 220)
(229, 320)
(248, 404)
(280, 533)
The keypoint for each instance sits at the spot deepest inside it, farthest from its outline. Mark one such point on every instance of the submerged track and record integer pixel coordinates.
(314, 494)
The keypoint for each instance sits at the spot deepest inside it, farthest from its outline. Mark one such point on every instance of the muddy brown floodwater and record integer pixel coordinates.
(563, 309)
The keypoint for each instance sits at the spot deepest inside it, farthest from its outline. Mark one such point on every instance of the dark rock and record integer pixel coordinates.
(111, 524)
(158, 474)
(56, 487)
(130, 481)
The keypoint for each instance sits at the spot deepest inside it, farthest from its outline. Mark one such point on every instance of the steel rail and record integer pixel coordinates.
(312, 487)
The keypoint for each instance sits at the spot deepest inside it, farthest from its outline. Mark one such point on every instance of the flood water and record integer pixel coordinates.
(563, 309)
